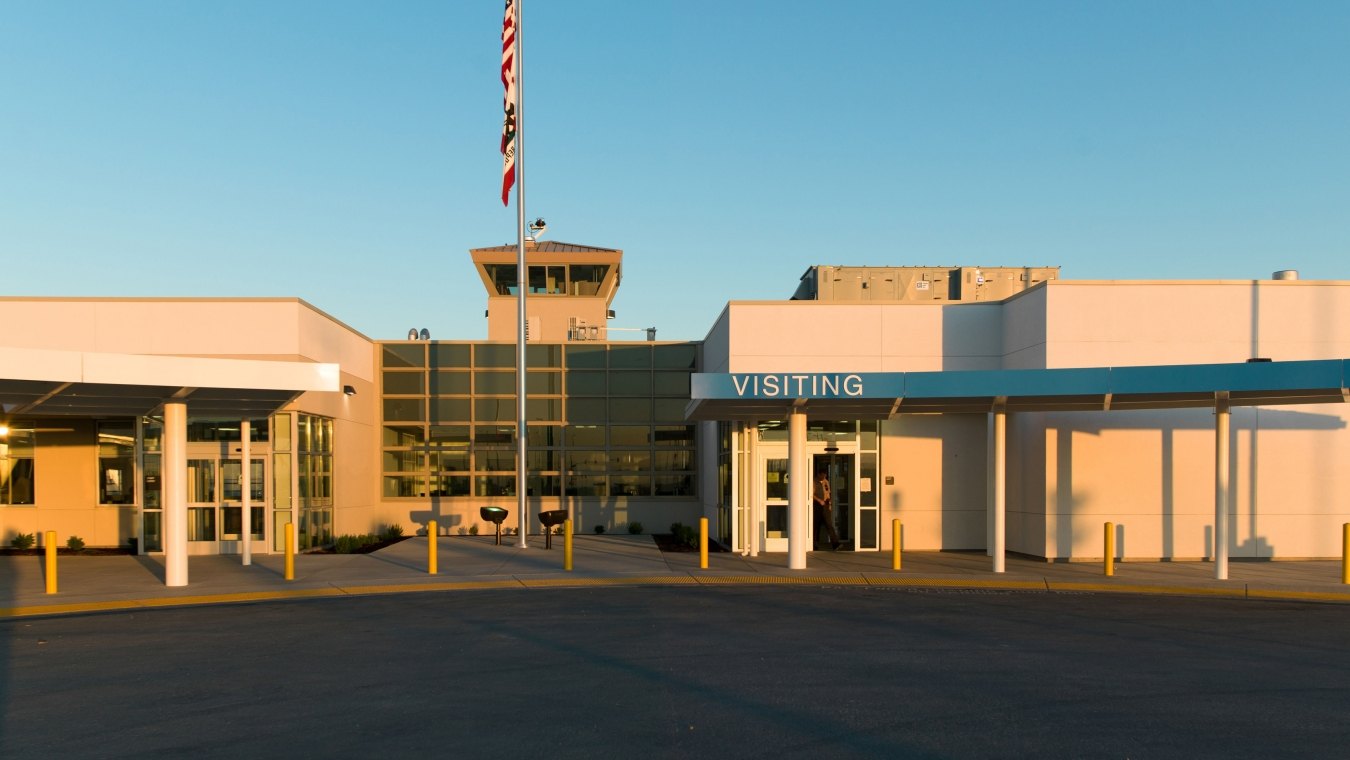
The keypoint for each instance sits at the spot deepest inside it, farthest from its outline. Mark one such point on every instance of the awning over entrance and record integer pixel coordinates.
(37, 382)
(881, 395)
(875, 395)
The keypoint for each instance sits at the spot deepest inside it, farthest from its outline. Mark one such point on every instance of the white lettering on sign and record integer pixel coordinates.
(797, 386)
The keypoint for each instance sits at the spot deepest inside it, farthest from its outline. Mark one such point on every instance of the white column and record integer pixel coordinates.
(799, 491)
(752, 476)
(246, 488)
(1221, 463)
(175, 494)
(999, 504)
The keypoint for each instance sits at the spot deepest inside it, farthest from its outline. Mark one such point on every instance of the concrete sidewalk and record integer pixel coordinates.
(89, 584)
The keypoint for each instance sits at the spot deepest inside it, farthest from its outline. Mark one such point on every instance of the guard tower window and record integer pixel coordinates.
(503, 278)
(548, 280)
(586, 278)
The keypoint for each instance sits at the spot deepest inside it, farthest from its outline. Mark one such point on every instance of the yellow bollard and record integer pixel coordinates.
(703, 543)
(567, 545)
(1109, 560)
(290, 551)
(431, 547)
(50, 546)
(895, 544)
(1345, 554)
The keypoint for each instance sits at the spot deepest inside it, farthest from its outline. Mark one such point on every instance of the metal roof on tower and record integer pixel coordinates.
(547, 246)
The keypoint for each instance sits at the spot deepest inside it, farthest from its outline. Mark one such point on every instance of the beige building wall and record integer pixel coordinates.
(1118, 323)
(67, 504)
(811, 336)
(552, 315)
(279, 329)
(1151, 472)
(938, 468)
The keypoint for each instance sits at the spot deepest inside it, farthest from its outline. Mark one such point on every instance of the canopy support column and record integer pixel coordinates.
(998, 456)
(175, 494)
(246, 492)
(1222, 457)
(799, 490)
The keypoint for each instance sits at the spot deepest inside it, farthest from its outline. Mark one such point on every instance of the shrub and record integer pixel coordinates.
(599, 529)
(473, 529)
(392, 531)
(74, 543)
(350, 544)
(684, 534)
(635, 528)
(23, 541)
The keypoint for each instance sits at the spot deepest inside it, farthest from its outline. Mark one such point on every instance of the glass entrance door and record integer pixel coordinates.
(840, 470)
(775, 499)
(215, 504)
(232, 505)
(203, 504)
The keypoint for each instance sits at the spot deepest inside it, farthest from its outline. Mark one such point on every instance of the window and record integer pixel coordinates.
(404, 355)
(16, 464)
(503, 277)
(403, 383)
(586, 278)
(314, 439)
(548, 279)
(117, 461)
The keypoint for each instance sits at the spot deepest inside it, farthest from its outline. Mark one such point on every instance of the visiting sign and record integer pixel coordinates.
(1308, 381)
(794, 385)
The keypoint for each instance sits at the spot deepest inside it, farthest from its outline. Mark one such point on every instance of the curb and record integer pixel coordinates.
(1043, 585)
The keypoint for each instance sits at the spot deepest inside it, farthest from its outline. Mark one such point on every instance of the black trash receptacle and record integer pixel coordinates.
(494, 515)
(551, 519)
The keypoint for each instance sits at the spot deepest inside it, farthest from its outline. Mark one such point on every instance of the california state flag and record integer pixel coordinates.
(509, 83)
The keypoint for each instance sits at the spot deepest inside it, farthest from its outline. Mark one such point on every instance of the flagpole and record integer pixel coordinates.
(522, 504)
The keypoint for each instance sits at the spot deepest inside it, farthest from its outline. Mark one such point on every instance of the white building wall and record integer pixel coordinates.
(937, 465)
(810, 336)
(1153, 471)
(279, 329)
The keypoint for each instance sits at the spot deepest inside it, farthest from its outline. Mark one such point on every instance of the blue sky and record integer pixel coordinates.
(346, 152)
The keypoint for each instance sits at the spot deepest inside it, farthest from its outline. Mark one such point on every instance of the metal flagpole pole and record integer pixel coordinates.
(522, 504)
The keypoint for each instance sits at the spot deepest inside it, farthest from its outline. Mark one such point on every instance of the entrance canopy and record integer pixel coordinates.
(881, 395)
(38, 382)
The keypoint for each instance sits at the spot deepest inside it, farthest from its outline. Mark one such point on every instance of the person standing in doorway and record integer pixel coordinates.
(824, 509)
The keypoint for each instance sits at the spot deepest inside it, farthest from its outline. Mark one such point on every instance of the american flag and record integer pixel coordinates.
(509, 106)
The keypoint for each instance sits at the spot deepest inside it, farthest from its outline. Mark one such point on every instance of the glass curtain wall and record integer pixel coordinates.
(314, 452)
(604, 420)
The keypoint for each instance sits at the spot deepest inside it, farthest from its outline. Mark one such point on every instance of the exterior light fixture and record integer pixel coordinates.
(349, 390)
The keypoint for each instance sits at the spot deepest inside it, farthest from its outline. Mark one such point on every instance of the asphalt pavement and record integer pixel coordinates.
(784, 671)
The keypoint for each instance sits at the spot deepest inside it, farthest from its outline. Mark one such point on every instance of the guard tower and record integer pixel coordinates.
(570, 288)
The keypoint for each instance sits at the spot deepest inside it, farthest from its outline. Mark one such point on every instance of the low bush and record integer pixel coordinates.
(599, 529)
(684, 534)
(635, 528)
(74, 543)
(23, 541)
(392, 531)
(350, 544)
